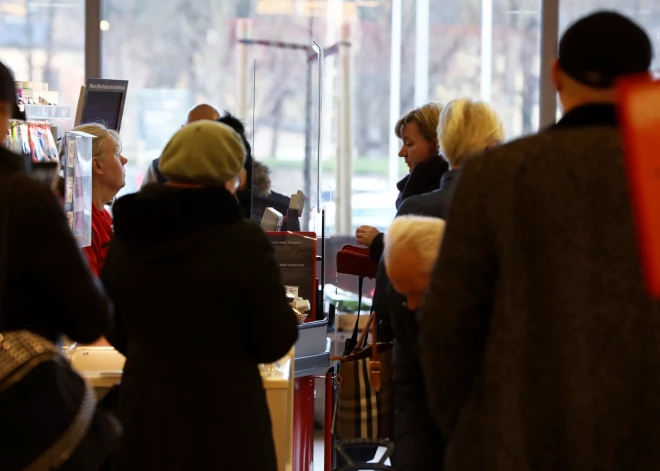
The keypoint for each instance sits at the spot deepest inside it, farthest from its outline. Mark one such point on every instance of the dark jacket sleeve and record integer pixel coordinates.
(52, 254)
(381, 304)
(456, 313)
(377, 247)
(273, 327)
(110, 275)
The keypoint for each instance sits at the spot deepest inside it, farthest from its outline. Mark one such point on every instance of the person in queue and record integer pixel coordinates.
(244, 190)
(224, 300)
(411, 248)
(466, 127)
(264, 197)
(108, 177)
(421, 151)
(200, 112)
(47, 289)
(538, 340)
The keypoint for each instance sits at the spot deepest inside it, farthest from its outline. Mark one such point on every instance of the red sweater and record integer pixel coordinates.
(101, 234)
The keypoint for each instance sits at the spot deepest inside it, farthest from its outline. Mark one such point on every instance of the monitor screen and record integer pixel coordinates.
(103, 107)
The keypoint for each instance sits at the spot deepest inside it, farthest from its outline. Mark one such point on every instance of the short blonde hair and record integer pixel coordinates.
(426, 118)
(417, 234)
(467, 127)
(100, 133)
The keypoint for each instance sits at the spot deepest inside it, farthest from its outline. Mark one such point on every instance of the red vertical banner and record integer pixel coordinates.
(639, 113)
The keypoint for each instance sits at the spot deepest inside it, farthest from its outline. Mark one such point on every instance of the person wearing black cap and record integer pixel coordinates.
(46, 289)
(539, 344)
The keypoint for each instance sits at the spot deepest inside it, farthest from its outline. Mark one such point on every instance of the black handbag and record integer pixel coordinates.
(49, 415)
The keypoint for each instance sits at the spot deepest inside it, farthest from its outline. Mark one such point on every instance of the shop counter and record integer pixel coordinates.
(102, 367)
(289, 384)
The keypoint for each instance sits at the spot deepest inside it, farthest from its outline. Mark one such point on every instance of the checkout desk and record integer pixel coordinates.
(289, 385)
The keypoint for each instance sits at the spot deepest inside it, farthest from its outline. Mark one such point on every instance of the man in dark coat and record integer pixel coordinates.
(539, 343)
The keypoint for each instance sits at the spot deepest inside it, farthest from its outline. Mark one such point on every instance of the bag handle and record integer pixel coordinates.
(374, 364)
(359, 309)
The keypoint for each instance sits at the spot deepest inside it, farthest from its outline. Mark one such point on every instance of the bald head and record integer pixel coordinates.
(200, 112)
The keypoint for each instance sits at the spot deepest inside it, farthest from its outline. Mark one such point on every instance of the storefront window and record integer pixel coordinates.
(645, 12)
(44, 41)
(177, 53)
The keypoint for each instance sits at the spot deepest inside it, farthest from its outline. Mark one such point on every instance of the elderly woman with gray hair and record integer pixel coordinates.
(466, 127)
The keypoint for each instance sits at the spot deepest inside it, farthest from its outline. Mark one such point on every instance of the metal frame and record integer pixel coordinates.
(93, 39)
(321, 59)
(549, 40)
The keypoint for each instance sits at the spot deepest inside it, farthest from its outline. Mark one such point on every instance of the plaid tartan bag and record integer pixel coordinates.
(365, 389)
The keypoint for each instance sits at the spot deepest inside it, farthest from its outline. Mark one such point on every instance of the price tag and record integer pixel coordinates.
(71, 154)
(292, 290)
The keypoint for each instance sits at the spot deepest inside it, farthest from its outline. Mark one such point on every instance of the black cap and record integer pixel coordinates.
(8, 89)
(602, 47)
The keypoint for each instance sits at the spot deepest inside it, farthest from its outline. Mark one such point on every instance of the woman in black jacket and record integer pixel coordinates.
(421, 151)
(466, 127)
(199, 305)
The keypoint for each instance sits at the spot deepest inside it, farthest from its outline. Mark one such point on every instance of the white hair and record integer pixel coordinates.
(467, 127)
(417, 234)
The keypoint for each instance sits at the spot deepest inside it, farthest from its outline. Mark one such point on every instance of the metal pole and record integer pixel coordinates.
(93, 43)
(549, 40)
(486, 50)
(243, 31)
(345, 155)
(395, 93)
(422, 53)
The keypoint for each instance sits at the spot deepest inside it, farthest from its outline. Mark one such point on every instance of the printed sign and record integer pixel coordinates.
(295, 253)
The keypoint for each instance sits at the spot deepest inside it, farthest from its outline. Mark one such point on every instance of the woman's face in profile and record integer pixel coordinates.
(416, 148)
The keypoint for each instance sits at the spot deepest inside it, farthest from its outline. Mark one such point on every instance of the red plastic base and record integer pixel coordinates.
(303, 424)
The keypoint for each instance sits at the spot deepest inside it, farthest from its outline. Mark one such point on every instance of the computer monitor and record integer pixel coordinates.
(102, 101)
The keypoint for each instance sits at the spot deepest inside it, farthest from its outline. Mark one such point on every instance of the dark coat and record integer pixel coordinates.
(424, 178)
(539, 342)
(48, 290)
(418, 441)
(432, 203)
(199, 304)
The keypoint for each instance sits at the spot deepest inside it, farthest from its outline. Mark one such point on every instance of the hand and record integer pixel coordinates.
(365, 235)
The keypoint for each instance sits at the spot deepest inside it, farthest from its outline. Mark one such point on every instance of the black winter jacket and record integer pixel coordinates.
(48, 290)
(199, 304)
(419, 443)
(424, 178)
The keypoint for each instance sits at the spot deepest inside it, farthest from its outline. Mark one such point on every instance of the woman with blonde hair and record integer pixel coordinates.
(466, 127)
(108, 177)
(421, 151)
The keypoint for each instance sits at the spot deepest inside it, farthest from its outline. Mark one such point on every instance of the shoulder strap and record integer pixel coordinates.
(4, 241)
